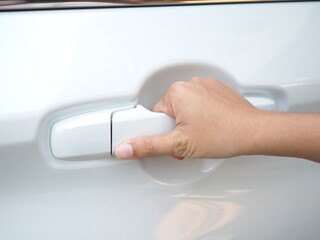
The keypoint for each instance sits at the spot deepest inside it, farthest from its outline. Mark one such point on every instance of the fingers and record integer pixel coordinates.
(143, 147)
(160, 106)
(176, 157)
(173, 97)
(164, 105)
(174, 143)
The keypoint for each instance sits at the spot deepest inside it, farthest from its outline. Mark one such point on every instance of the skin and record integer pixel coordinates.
(214, 121)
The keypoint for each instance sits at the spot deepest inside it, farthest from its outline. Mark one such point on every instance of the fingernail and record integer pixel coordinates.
(124, 151)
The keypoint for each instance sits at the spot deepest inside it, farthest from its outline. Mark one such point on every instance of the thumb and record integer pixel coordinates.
(143, 147)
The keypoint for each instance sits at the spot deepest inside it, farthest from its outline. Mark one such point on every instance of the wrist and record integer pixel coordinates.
(284, 134)
(259, 134)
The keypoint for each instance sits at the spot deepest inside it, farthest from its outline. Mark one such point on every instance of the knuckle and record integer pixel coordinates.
(180, 145)
(177, 86)
(228, 85)
(196, 79)
(214, 81)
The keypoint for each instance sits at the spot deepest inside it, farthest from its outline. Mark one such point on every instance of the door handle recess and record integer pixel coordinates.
(95, 135)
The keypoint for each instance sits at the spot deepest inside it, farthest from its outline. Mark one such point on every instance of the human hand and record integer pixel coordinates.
(212, 121)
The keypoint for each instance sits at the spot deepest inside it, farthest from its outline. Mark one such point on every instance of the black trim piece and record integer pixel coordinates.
(37, 5)
(111, 133)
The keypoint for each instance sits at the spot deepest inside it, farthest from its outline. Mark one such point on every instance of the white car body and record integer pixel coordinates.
(57, 64)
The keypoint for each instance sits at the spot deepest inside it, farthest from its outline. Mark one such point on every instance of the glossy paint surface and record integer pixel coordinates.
(57, 64)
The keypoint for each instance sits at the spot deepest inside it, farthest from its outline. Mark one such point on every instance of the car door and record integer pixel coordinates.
(68, 61)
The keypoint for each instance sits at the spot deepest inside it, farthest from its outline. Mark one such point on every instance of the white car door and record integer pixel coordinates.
(57, 64)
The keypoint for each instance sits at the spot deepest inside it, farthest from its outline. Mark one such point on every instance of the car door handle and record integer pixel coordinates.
(95, 135)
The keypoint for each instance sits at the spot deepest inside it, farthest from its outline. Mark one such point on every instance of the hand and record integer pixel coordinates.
(212, 121)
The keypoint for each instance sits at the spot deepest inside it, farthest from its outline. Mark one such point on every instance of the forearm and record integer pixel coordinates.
(287, 134)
